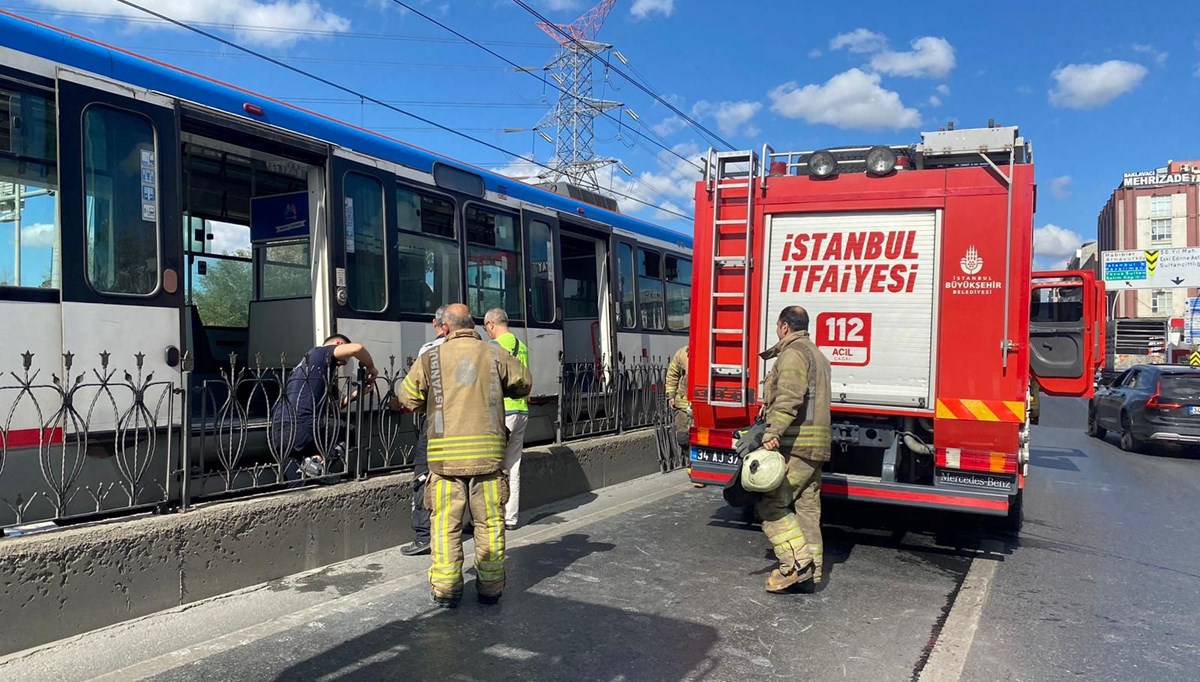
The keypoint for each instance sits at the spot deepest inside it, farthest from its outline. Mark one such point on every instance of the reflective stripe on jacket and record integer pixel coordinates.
(796, 398)
(461, 385)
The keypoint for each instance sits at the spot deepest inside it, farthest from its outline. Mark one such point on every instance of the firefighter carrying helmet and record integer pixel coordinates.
(763, 471)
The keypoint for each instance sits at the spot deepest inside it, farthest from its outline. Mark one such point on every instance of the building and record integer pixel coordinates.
(1087, 257)
(1158, 209)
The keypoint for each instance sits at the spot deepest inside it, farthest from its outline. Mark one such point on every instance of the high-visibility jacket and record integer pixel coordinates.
(461, 386)
(676, 388)
(513, 346)
(796, 398)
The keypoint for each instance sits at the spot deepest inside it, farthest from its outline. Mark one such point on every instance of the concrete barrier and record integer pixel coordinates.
(75, 580)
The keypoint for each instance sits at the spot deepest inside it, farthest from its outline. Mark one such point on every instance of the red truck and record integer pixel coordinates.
(914, 263)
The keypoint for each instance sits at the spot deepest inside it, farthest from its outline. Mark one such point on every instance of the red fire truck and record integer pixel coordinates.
(914, 263)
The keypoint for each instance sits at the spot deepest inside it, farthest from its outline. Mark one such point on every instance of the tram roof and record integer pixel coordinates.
(56, 45)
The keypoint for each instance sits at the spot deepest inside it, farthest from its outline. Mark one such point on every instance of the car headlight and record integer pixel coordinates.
(822, 164)
(881, 161)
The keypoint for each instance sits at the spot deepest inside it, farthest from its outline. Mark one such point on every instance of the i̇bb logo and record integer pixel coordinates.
(845, 338)
(971, 263)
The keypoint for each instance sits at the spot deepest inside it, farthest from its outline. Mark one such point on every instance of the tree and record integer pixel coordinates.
(222, 295)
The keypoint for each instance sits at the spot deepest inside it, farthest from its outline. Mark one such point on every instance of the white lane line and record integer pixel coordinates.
(352, 602)
(949, 654)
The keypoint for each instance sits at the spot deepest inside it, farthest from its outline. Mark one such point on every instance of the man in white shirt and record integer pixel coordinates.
(420, 515)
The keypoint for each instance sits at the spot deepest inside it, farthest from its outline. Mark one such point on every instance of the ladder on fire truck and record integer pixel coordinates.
(730, 180)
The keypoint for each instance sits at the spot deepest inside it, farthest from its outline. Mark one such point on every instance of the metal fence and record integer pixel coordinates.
(111, 438)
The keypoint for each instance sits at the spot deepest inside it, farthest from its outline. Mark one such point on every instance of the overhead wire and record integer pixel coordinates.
(365, 97)
(636, 83)
(545, 82)
(518, 67)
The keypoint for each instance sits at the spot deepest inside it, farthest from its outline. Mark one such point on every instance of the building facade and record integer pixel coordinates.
(1152, 210)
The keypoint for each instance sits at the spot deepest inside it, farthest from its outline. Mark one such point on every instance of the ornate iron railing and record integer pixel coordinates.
(112, 438)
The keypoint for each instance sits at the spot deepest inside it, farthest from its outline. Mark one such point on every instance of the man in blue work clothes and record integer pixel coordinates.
(420, 515)
(311, 395)
(516, 412)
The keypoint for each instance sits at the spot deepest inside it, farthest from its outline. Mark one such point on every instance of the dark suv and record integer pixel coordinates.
(1149, 404)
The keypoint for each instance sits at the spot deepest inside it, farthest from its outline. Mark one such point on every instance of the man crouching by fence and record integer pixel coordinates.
(461, 386)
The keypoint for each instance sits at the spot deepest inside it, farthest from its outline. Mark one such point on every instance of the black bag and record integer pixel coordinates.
(748, 441)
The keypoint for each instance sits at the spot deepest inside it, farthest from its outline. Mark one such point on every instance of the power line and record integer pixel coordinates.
(637, 84)
(351, 91)
(325, 60)
(542, 79)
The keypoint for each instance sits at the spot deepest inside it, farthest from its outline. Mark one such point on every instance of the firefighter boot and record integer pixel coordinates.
(784, 578)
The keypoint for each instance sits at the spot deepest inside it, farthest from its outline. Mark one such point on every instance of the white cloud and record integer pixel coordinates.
(257, 21)
(1160, 58)
(814, 53)
(852, 99)
(1060, 187)
(930, 57)
(935, 101)
(228, 239)
(730, 116)
(1054, 243)
(39, 236)
(644, 8)
(1087, 86)
(943, 90)
(859, 41)
(671, 187)
(668, 126)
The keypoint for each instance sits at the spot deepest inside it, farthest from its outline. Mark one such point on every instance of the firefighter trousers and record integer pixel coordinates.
(791, 517)
(447, 498)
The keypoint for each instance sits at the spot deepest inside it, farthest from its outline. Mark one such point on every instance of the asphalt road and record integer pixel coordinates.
(655, 580)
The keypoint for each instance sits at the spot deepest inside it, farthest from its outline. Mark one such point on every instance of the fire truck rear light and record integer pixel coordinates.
(881, 161)
(822, 164)
(993, 462)
(713, 438)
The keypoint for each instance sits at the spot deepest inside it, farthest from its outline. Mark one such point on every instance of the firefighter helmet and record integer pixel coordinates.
(763, 471)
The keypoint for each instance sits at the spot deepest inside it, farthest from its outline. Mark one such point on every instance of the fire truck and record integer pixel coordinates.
(914, 264)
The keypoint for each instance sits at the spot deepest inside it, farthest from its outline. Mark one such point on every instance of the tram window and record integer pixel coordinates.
(650, 289)
(541, 259)
(581, 286)
(120, 188)
(28, 191)
(626, 287)
(679, 291)
(286, 271)
(220, 290)
(428, 252)
(493, 263)
(366, 262)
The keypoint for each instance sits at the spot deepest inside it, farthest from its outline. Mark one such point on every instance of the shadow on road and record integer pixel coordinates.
(1055, 458)
(528, 636)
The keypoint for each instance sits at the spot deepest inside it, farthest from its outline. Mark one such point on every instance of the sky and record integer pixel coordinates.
(1100, 87)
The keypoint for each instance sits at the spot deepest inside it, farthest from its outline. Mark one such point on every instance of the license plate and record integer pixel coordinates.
(1194, 410)
(715, 457)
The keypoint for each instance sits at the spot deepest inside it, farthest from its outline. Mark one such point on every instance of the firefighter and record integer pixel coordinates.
(461, 386)
(677, 395)
(796, 412)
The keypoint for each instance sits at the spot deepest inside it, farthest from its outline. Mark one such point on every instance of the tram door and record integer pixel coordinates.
(587, 328)
(246, 224)
(121, 277)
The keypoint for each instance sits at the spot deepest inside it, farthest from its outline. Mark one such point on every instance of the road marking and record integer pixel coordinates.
(949, 654)
(191, 654)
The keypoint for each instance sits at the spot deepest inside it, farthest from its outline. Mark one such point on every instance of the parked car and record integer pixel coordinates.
(1157, 404)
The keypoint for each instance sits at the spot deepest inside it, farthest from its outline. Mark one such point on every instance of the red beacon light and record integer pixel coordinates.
(253, 109)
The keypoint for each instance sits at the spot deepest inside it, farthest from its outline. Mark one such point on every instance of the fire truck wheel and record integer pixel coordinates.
(1093, 429)
(1016, 514)
(1129, 443)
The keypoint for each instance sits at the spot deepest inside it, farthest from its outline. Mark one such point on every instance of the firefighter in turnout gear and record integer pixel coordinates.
(461, 386)
(796, 396)
(677, 395)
